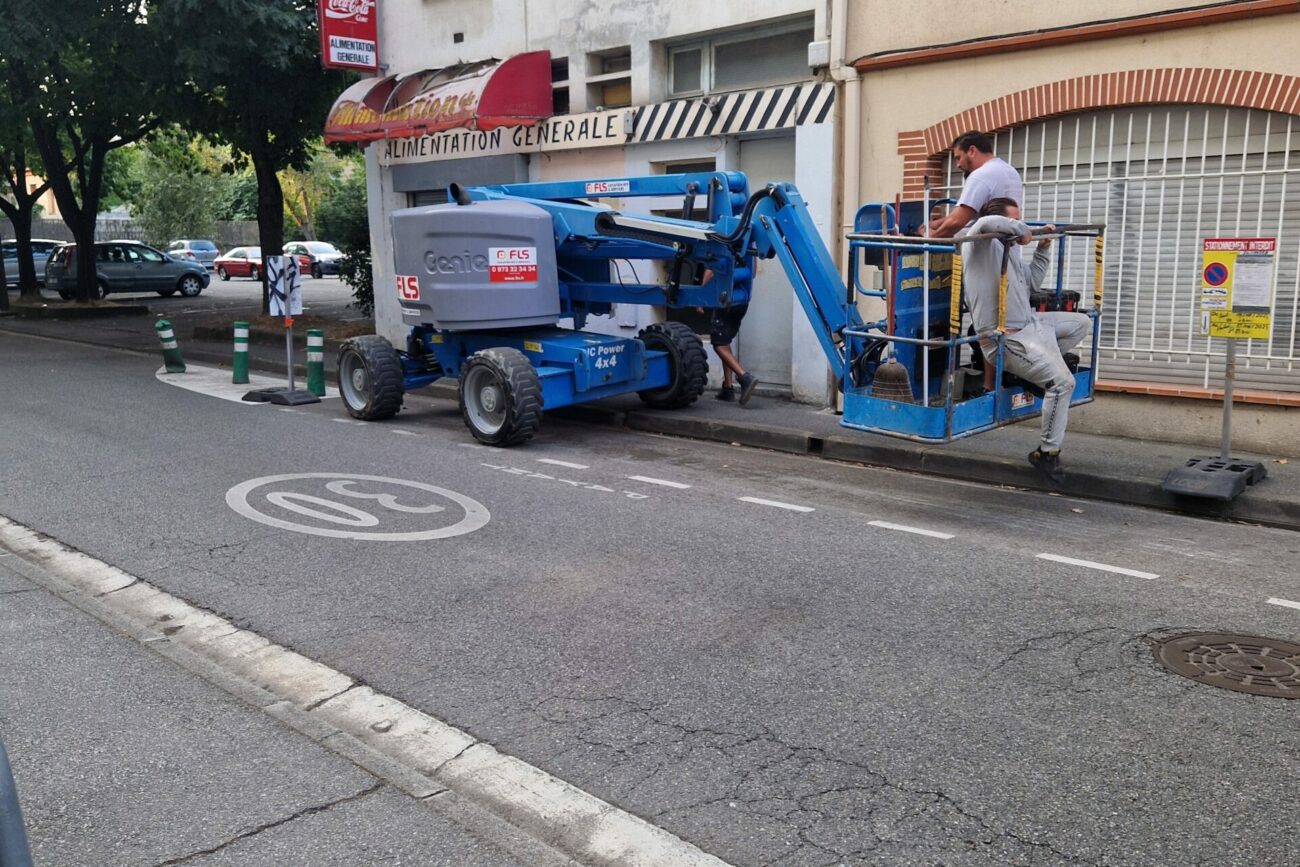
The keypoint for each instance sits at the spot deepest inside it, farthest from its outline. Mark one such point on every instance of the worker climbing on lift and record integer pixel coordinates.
(1036, 344)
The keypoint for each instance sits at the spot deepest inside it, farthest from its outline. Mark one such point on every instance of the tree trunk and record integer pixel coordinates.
(21, 219)
(4, 286)
(270, 216)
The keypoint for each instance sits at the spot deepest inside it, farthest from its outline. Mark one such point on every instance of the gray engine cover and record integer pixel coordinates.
(480, 266)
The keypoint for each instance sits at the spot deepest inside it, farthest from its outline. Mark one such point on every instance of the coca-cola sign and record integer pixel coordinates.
(349, 10)
(349, 33)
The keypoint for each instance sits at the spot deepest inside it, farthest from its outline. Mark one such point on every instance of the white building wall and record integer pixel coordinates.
(418, 34)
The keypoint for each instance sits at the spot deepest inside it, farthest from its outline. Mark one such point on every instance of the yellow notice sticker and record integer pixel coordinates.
(532, 346)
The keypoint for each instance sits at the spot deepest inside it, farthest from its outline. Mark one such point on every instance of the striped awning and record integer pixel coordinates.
(731, 113)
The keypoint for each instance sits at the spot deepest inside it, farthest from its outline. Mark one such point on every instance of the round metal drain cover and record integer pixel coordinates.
(1245, 663)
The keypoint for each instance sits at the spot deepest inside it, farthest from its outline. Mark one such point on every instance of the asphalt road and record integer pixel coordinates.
(792, 686)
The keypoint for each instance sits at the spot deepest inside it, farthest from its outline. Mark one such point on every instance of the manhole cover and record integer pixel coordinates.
(1245, 663)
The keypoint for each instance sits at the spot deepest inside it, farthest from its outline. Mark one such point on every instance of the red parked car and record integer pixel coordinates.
(240, 262)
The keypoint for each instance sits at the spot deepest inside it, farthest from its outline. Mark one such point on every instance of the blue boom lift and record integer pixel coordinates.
(483, 284)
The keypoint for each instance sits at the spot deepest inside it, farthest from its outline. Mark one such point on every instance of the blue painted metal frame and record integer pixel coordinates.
(951, 419)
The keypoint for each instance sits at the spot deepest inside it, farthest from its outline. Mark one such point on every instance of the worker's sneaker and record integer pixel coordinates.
(747, 383)
(1071, 361)
(1049, 464)
(726, 393)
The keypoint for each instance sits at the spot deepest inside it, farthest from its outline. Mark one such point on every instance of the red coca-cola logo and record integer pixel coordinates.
(349, 10)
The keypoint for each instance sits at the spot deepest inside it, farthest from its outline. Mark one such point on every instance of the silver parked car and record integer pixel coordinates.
(127, 266)
(41, 250)
(202, 252)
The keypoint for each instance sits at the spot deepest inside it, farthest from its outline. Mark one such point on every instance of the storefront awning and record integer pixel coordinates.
(482, 95)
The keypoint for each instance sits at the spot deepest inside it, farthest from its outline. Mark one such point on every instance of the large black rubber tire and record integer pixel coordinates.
(223, 274)
(189, 285)
(500, 397)
(687, 364)
(316, 271)
(100, 291)
(254, 273)
(370, 378)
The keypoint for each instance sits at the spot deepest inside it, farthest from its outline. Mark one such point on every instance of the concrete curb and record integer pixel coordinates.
(57, 311)
(414, 751)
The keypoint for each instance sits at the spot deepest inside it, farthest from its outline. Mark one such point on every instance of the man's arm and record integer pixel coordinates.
(956, 220)
(1042, 257)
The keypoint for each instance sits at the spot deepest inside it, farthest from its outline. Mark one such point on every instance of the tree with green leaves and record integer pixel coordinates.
(17, 201)
(178, 187)
(89, 77)
(258, 85)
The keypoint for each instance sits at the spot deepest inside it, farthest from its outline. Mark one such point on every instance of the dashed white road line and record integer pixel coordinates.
(1103, 567)
(650, 480)
(920, 531)
(1285, 603)
(404, 433)
(471, 445)
(776, 503)
(553, 462)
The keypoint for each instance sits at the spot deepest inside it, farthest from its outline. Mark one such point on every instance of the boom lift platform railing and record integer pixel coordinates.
(921, 279)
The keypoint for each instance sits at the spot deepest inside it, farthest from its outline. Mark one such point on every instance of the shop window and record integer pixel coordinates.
(740, 60)
(560, 85)
(609, 78)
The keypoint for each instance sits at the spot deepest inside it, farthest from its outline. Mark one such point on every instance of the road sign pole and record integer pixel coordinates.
(1229, 373)
(288, 348)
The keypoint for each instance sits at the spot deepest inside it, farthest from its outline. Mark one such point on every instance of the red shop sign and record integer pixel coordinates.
(349, 34)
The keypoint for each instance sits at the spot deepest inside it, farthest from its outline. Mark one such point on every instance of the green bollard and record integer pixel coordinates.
(240, 366)
(316, 361)
(171, 351)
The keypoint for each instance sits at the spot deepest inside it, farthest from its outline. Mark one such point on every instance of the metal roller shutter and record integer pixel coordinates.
(1162, 178)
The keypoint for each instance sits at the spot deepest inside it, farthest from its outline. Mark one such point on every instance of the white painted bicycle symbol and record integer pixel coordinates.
(395, 500)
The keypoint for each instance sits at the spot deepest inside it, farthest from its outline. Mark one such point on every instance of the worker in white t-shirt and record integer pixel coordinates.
(987, 177)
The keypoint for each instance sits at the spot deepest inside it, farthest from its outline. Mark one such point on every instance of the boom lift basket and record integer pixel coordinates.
(926, 332)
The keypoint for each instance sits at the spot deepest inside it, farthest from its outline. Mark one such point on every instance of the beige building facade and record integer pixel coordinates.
(1168, 124)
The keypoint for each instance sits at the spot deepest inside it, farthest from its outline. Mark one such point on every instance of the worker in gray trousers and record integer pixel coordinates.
(1035, 343)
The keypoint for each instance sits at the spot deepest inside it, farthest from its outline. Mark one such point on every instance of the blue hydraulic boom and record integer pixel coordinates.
(497, 287)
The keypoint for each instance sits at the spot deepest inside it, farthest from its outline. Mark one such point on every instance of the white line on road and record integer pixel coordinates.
(405, 433)
(471, 446)
(653, 481)
(1285, 603)
(777, 503)
(1088, 564)
(906, 529)
(286, 409)
(556, 463)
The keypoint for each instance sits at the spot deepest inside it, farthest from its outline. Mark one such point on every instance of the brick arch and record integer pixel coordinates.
(924, 150)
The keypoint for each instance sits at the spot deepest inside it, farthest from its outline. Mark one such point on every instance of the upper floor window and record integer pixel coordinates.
(735, 61)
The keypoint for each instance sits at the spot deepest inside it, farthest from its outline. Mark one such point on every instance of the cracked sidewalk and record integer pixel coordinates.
(122, 757)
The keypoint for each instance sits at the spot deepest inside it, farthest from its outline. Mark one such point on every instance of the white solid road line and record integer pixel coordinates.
(653, 481)
(1285, 603)
(556, 463)
(404, 433)
(416, 752)
(906, 529)
(777, 503)
(1088, 564)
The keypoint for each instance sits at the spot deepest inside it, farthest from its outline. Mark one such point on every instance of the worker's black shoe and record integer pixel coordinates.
(1049, 464)
(747, 383)
(1071, 361)
(726, 393)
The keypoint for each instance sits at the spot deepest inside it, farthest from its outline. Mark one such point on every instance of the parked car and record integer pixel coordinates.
(41, 250)
(126, 266)
(202, 252)
(316, 258)
(240, 262)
